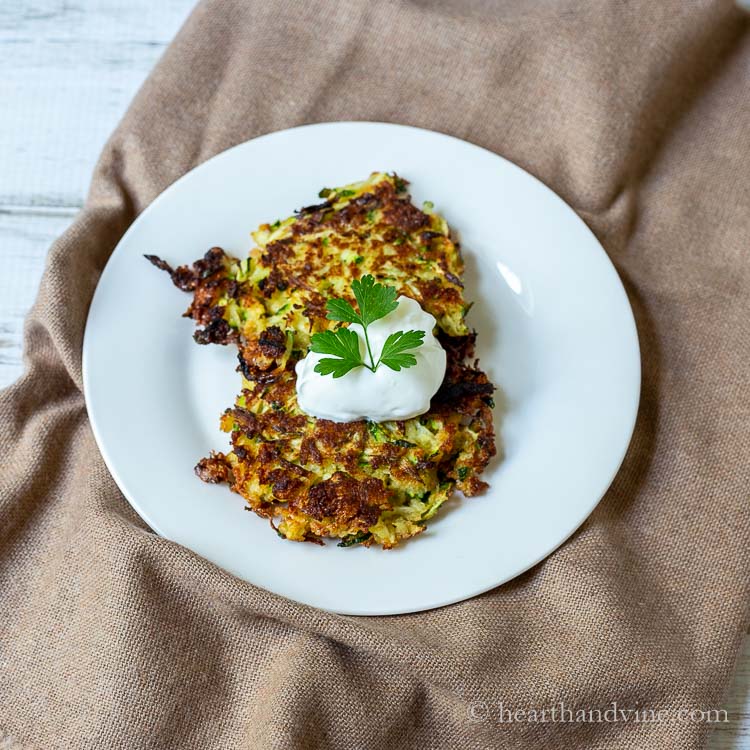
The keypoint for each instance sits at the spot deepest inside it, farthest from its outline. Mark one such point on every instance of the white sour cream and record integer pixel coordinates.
(384, 394)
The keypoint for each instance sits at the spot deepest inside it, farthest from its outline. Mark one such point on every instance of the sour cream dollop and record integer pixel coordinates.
(384, 394)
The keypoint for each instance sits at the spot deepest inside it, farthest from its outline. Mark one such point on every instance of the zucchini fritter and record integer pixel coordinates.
(361, 482)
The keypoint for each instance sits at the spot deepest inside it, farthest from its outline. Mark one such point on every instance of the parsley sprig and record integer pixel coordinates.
(374, 301)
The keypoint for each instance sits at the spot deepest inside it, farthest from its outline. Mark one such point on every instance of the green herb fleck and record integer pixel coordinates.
(345, 193)
(376, 431)
(404, 443)
(350, 541)
(463, 472)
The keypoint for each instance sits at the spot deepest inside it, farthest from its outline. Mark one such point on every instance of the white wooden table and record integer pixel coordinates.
(68, 73)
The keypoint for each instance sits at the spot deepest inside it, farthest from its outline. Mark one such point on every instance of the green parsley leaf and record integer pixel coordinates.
(375, 300)
(395, 350)
(340, 309)
(342, 344)
(336, 367)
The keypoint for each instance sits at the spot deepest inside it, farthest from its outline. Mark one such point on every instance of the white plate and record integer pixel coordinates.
(556, 334)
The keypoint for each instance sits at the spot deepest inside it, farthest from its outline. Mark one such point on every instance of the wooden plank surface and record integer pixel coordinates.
(24, 240)
(69, 71)
(735, 734)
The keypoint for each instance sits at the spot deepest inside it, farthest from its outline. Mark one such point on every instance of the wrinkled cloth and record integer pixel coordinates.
(637, 114)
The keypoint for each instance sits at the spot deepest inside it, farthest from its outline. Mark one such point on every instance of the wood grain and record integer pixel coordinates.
(24, 239)
(735, 734)
(69, 70)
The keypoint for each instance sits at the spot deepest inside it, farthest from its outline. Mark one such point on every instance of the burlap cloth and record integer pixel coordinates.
(637, 114)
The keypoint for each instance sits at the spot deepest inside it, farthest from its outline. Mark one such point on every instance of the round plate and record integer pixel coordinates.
(555, 333)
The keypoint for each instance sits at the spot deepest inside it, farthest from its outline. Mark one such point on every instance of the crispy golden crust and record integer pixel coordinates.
(356, 503)
(360, 482)
(214, 469)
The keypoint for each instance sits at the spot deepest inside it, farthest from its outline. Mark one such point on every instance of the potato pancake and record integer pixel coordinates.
(360, 482)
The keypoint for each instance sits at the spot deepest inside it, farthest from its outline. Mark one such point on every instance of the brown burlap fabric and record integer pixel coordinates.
(637, 113)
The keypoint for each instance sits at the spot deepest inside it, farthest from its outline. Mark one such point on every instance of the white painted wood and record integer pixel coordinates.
(24, 239)
(69, 70)
(735, 734)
